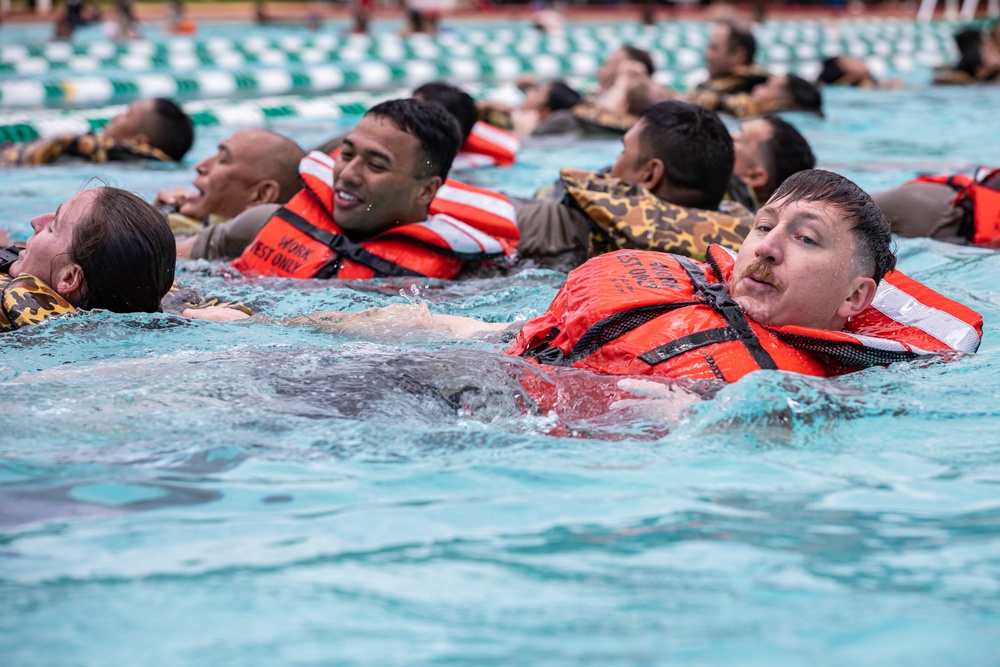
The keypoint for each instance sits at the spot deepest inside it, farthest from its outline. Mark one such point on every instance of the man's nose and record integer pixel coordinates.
(348, 171)
(203, 166)
(769, 249)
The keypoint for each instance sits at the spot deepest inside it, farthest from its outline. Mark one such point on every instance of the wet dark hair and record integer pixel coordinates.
(561, 96)
(740, 37)
(638, 55)
(969, 42)
(832, 72)
(787, 152)
(804, 96)
(169, 129)
(873, 254)
(455, 101)
(127, 253)
(696, 150)
(435, 129)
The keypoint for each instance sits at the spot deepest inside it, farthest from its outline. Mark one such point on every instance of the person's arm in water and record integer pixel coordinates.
(390, 322)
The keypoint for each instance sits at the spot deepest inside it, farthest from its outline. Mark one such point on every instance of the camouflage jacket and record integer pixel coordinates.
(93, 146)
(740, 80)
(737, 104)
(25, 300)
(629, 216)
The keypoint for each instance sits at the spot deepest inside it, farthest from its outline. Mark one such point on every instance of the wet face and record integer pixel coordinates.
(130, 126)
(719, 59)
(607, 72)
(772, 95)
(46, 254)
(379, 181)
(795, 267)
(855, 70)
(629, 165)
(747, 140)
(226, 182)
(536, 98)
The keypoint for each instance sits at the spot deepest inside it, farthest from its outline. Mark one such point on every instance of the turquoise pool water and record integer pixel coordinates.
(184, 493)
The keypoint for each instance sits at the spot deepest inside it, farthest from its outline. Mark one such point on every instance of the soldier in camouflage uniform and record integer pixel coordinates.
(663, 193)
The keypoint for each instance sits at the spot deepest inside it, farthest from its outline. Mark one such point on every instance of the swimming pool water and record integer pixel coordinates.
(185, 493)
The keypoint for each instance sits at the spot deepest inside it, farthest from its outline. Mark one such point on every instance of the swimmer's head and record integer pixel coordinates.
(158, 122)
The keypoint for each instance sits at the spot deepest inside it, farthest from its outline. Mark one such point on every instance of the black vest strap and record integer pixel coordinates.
(619, 324)
(716, 295)
(687, 343)
(344, 248)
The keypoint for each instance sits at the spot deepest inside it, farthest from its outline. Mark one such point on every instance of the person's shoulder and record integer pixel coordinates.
(29, 300)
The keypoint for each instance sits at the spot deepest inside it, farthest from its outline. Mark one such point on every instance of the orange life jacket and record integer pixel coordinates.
(645, 313)
(979, 198)
(302, 240)
(488, 140)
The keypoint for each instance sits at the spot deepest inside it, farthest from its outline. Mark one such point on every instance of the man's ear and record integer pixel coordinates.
(860, 298)
(266, 192)
(429, 191)
(757, 177)
(70, 283)
(142, 138)
(653, 175)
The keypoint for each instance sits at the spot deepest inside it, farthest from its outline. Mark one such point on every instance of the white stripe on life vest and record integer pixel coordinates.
(495, 135)
(494, 205)
(460, 237)
(896, 304)
(466, 160)
(318, 165)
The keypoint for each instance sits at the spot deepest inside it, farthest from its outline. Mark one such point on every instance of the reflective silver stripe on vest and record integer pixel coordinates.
(896, 304)
(494, 205)
(460, 237)
(318, 165)
(495, 135)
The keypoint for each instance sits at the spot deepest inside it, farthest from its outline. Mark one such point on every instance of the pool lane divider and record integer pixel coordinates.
(116, 88)
(94, 90)
(25, 126)
(670, 51)
(217, 51)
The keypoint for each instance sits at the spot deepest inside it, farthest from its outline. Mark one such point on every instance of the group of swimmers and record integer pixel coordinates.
(696, 254)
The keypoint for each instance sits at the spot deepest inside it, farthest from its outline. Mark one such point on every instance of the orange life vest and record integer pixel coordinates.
(979, 198)
(488, 140)
(302, 240)
(645, 313)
